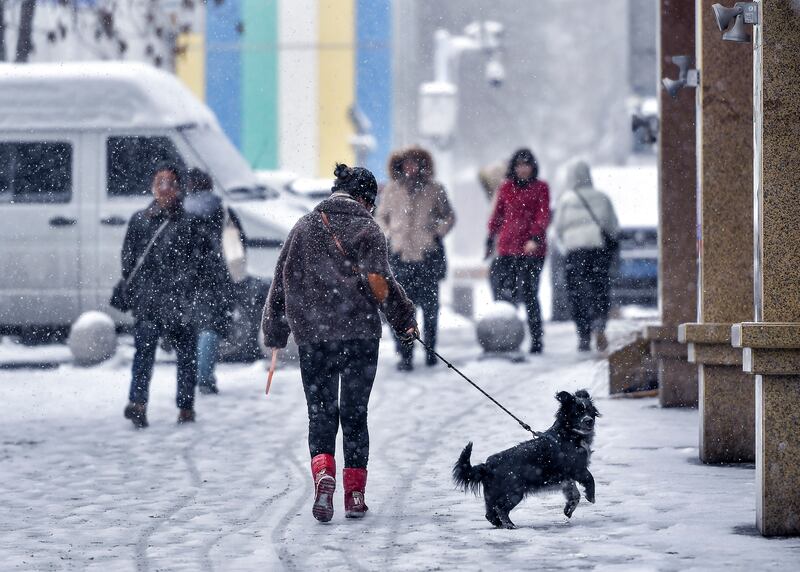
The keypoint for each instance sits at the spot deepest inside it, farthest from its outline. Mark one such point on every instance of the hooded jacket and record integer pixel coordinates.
(315, 293)
(414, 215)
(521, 213)
(573, 225)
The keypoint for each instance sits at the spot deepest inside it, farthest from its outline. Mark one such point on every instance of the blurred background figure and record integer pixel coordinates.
(216, 293)
(517, 228)
(586, 227)
(416, 215)
(174, 261)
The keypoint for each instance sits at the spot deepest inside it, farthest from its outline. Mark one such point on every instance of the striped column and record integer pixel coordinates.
(336, 89)
(224, 66)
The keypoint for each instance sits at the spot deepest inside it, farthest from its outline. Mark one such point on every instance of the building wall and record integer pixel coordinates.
(281, 76)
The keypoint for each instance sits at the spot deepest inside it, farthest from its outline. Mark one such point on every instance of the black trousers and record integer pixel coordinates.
(516, 279)
(146, 335)
(422, 287)
(588, 285)
(322, 366)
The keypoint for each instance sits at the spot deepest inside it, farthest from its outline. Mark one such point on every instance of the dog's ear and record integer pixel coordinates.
(582, 393)
(564, 397)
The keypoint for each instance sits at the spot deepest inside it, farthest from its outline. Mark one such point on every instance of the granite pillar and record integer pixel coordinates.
(725, 227)
(771, 345)
(677, 181)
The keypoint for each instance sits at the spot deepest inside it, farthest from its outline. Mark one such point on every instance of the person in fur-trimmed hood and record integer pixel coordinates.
(331, 278)
(416, 215)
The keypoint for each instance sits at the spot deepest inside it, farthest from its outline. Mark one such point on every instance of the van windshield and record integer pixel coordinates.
(227, 166)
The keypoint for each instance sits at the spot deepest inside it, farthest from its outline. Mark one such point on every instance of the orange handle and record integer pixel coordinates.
(272, 369)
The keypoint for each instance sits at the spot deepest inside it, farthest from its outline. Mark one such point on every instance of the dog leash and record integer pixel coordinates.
(476, 386)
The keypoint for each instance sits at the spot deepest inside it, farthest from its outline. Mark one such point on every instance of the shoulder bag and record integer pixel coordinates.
(365, 290)
(120, 300)
(611, 244)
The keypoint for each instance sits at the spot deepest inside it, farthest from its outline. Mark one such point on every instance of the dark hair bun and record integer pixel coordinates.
(342, 172)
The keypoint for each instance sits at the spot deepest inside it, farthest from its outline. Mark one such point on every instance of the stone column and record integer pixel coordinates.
(772, 345)
(677, 182)
(725, 225)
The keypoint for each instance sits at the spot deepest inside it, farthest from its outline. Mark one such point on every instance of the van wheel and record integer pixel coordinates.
(241, 343)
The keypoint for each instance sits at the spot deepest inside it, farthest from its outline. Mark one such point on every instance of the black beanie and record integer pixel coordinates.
(356, 182)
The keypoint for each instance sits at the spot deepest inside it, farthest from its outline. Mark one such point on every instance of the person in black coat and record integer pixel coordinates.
(214, 305)
(180, 262)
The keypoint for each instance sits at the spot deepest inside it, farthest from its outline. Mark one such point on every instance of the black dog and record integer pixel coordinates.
(560, 457)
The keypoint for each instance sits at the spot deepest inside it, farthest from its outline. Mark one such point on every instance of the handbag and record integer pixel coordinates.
(233, 250)
(120, 300)
(437, 261)
(610, 243)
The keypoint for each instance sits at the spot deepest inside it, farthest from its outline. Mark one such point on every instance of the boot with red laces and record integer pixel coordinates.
(355, 481)
(323, 469)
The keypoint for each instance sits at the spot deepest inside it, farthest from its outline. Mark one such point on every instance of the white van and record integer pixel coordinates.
(78, 144)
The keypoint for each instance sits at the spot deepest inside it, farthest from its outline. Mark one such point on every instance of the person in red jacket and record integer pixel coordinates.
(517, 229)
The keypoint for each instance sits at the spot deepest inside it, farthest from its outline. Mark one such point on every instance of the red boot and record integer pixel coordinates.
(355, 481)
(323, 469)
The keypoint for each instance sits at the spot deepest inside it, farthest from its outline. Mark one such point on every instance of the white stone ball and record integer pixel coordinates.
(92, 338)
(500, 329)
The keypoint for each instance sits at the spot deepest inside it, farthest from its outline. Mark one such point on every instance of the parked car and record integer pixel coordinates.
(78, 143)
(304, 191)
(633, 189)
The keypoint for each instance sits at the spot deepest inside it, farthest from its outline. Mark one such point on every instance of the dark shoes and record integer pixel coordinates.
(137, 413)
(584, 345)
(210, 389)
(431, 359)
(536, 347)
(601, 341)
(186, 416)
(405, 364)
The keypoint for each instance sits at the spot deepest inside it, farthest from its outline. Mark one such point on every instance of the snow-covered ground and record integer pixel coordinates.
(81, 490)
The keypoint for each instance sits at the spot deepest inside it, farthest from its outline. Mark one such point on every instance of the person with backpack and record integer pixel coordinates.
(517, 230)
(331, 279)
(167, 257)
(586, 229)
(214, 305)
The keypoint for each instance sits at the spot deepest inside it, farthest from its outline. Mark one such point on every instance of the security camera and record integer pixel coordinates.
(495, 72)
(742, 13)
(686, 77)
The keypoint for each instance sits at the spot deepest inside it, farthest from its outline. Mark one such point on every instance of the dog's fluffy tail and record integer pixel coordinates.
(467, 477)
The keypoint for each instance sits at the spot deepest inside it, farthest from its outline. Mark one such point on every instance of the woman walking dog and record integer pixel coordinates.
(331, 278)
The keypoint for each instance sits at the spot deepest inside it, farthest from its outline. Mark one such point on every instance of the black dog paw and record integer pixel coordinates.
(569, 508)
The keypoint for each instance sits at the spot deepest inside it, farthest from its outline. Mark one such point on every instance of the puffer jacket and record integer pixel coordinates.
(181, 264)
(573, 225)
(315, 294)
(521, 213)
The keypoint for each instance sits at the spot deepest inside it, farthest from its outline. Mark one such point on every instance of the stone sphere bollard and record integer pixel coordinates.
(92, 338)
(500, 329)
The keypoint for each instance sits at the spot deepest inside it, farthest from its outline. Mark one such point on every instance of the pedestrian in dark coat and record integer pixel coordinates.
(331, 278)
(180, 262)
(416, 215)
(518, 228)
(217, 293)
(583, 216)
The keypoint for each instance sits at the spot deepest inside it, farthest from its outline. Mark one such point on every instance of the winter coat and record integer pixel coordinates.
(315, 293)
(181, 264)
(521, 213)
(415, 217)
(216, 296)
(573, 225)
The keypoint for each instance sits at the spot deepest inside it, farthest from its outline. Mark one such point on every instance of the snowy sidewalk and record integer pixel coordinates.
(81, 490)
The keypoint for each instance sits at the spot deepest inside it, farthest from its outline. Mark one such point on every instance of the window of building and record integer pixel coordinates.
(131, 162)
(35, 172)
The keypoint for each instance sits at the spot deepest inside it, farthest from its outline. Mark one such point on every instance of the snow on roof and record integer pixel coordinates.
(95, 95)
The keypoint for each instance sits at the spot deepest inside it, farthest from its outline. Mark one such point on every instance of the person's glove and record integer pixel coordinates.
(407, 338)
(489, 248)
